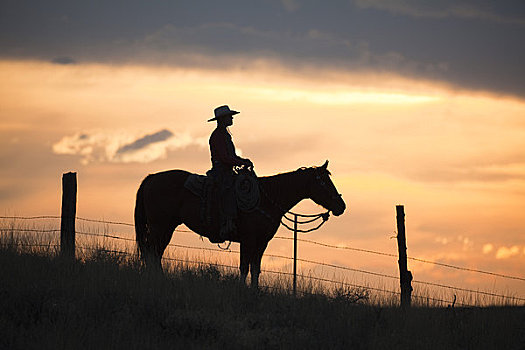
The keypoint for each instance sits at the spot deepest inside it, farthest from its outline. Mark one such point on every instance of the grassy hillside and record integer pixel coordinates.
(105, 301)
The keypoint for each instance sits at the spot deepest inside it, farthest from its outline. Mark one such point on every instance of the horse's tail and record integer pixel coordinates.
(141, 226)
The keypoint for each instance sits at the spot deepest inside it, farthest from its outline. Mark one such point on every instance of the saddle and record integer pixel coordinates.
(247, 195)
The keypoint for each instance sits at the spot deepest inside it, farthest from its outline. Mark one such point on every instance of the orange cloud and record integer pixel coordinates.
(505, 253)
(487, 248)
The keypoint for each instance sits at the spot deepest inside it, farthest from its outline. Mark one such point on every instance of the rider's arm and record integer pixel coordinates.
(219, 145)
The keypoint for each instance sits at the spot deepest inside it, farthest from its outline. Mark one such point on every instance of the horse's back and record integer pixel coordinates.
(168, 177)
(164, 184)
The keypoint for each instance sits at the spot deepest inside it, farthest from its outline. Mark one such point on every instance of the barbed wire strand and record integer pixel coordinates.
(29, 229)
(337, 247)
(325, 264)
(266, 271)
(320, 279)
(265, 255)
(442, 301)
(467, 290)
(322, 264)
(119, 223)
(316, 263)
(104, 235)
(360, 286)
(306, 241)
(408, 257)
(38, 245)
(31, 217)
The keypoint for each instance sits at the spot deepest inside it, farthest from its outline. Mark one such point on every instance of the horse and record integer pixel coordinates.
(163, 203)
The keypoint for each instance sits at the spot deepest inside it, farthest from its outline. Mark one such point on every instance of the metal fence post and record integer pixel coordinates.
(294, 254)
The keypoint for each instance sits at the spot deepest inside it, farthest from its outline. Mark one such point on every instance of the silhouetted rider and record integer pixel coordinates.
(223, 159)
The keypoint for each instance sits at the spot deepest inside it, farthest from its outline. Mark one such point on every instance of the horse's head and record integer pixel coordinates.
(322, 190)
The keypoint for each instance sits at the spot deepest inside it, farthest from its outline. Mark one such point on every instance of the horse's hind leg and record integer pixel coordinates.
(160, 236)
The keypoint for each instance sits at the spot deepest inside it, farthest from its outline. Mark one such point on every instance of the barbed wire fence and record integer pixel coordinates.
(116, 237)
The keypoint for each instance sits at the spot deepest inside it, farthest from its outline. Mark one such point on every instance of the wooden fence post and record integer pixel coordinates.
(405, 276)
(69, 209)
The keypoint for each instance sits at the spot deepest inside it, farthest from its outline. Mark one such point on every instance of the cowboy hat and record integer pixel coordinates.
(222, 111)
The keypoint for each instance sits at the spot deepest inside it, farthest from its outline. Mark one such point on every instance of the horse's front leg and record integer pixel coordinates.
(255, 272)
(255, 265)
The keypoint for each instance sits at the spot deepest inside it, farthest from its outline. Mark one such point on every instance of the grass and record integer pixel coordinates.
(107, 300)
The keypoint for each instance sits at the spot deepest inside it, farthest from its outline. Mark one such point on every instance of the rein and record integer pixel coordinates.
(325, 216)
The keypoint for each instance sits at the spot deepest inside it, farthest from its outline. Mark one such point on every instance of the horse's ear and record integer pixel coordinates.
(325, 165)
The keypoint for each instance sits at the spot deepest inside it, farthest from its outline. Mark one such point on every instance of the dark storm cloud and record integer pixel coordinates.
(143, 142)
(504, 11)
(472, 44)
(63, 60)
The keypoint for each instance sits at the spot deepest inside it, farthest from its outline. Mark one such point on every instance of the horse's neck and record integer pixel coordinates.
(286, 190)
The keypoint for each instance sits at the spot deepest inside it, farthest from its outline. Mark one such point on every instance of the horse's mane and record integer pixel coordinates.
(293, 172)
(273, 184)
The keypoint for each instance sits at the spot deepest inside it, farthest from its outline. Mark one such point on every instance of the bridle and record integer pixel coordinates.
(324, 185)
(309, 218)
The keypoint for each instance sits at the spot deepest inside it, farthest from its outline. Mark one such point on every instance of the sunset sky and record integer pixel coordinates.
(413, 102)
